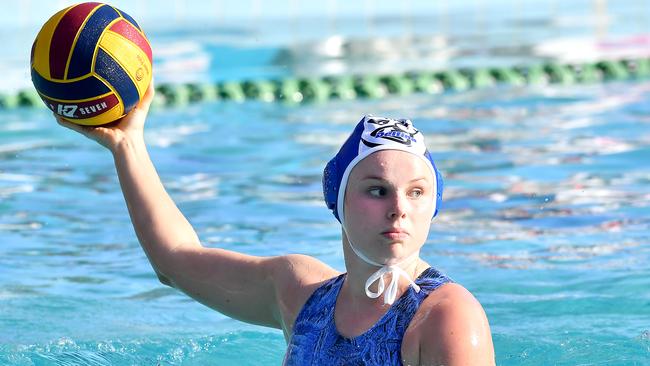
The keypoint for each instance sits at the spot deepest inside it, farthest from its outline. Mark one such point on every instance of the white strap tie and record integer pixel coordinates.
(391, 292)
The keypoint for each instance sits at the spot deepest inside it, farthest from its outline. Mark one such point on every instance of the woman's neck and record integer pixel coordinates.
(358, 272)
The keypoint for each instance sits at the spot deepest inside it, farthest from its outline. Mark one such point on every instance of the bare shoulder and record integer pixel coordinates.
(453, 329)
(297, 277)
(302, 270)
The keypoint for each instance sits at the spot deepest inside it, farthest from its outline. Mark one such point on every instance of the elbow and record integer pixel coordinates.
(160, 273)
(163, 266)
(170, 265)
(164, 279)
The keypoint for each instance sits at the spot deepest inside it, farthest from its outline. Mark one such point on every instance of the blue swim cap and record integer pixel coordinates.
(370, 135)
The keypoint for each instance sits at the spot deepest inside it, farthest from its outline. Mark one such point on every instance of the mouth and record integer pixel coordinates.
(395, 234)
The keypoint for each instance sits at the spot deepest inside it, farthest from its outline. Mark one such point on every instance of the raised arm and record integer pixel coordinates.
(267, 291)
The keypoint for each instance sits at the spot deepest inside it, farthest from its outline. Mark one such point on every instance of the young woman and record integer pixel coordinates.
(389, 308)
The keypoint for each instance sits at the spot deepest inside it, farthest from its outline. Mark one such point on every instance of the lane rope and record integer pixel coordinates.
(369, 86)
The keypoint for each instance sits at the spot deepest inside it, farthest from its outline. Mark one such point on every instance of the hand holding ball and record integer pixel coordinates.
(91, 63)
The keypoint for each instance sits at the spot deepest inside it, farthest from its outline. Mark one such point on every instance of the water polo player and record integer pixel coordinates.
(388, 308)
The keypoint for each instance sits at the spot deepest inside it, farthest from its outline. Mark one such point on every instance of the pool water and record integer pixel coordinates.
(545, 219)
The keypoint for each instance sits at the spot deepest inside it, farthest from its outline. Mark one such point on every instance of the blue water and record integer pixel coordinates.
(545, 220)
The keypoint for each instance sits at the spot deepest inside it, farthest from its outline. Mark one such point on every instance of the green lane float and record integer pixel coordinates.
(295, 90)
(453, 80)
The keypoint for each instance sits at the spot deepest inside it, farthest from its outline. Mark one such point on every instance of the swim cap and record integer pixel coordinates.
(370, 135)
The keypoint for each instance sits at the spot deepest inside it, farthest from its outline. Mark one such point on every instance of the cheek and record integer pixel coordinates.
(362, 212)
(422, 215)
(423, 209)
(359, 207)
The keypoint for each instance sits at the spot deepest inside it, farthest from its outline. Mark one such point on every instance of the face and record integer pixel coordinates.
(389, 203)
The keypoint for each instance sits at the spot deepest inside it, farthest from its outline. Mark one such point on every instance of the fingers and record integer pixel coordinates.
(150, 91)
(68, 124)
(147, 98)
(84, 130)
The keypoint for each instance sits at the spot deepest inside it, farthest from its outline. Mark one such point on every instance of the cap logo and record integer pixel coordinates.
(381, 131)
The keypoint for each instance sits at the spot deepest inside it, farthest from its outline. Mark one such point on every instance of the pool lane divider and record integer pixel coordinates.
(348, 87)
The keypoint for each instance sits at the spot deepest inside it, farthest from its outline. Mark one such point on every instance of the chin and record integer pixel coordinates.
(396, 254)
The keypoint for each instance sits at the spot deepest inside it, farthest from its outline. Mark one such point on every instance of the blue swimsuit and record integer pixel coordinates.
(316, 341)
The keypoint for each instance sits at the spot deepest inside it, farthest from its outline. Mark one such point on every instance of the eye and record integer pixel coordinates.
(416, 193)
(377, 191)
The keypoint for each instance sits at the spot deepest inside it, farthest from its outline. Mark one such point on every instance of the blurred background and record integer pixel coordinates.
(234, 40)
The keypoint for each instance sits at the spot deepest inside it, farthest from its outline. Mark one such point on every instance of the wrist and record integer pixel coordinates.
(128, 144)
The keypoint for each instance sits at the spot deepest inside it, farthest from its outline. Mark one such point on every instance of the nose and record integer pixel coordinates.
(398, 207)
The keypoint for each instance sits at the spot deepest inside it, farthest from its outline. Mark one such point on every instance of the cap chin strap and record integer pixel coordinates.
(393, 269)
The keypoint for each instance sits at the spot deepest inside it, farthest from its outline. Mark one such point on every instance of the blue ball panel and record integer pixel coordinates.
(82, 89)
(82, 56)
(130, 20)
(112, 72)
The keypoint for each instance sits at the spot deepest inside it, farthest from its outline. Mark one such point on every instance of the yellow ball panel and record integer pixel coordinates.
(131, 57)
